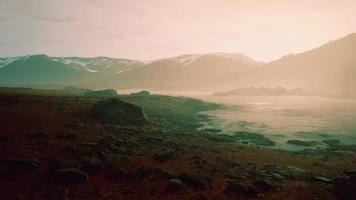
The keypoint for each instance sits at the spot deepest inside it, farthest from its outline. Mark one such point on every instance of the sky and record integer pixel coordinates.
(149, 29)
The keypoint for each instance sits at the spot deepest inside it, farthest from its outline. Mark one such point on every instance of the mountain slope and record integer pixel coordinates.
(329, 68)
(196, 71)
(39, 69)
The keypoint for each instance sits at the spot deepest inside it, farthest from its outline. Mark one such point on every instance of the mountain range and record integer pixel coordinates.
(330, 67)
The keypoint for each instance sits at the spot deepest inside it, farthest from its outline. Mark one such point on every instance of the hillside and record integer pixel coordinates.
(39, 70)
(190, 72)
(329, 68)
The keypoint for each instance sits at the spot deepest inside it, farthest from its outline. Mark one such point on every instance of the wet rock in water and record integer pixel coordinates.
(17, 165)
(115, 111)
(175, 185)
(303, 143)
(92, 165)
(332, 142)
(239, 190)
(101, 93)
(219, 137)
(196, 179)
(72, 175)
(264, 185)
(254, 138)
(210, 130)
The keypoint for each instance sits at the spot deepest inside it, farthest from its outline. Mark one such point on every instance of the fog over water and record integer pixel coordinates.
(282, 118)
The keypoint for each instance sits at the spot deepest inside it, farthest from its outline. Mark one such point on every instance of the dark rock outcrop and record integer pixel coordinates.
(345, 186)
(101, 93)
(115, 111)
(196, 179)
(17, 165)
(72, 175)
(239, 190)
(175, 185)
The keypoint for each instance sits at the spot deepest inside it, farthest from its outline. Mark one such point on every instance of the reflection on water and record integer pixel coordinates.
(282, 118)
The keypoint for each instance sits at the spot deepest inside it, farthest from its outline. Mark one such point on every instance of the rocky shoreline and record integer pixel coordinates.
(53, 148)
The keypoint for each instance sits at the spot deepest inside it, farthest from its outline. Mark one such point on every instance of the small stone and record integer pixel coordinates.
(71, 174)
(175, 185)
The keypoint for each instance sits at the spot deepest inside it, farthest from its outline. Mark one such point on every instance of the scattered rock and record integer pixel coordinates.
(119, 174)
(115, 111)
(72, 175)
(67, 136)
(92, 165)
(38, 135)
(17, 165)
(345, 187)
(146, 171)
(264, 185)
(211, 130)
(175, 185)
(196, 179)
(254, 138)
(322, 179)
(61, 163)
(239, 190)
(56, 194)
(332, 142)
(164, 155)
(219, 137)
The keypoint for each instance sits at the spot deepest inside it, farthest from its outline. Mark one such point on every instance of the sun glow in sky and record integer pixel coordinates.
(149, 29)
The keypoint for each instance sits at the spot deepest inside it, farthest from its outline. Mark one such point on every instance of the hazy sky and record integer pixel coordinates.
(148, 29)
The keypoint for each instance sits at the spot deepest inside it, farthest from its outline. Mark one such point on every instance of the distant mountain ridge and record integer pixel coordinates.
(330, 67)
(177, 72)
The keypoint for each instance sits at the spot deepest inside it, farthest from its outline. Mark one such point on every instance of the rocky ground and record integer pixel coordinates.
(57, 146)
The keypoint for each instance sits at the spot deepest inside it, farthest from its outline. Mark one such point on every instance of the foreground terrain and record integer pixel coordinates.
(55, 145)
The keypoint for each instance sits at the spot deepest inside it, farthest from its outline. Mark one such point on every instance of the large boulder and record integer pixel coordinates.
(71, 175)
(115, 111)
(345, 186)
(240, 190)
(196, 179)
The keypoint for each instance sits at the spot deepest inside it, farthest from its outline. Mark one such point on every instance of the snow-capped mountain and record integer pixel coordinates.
(8, 60)
(99, 64)
(191, 71)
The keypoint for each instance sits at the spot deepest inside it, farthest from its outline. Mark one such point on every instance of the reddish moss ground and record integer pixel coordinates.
(30, 126)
